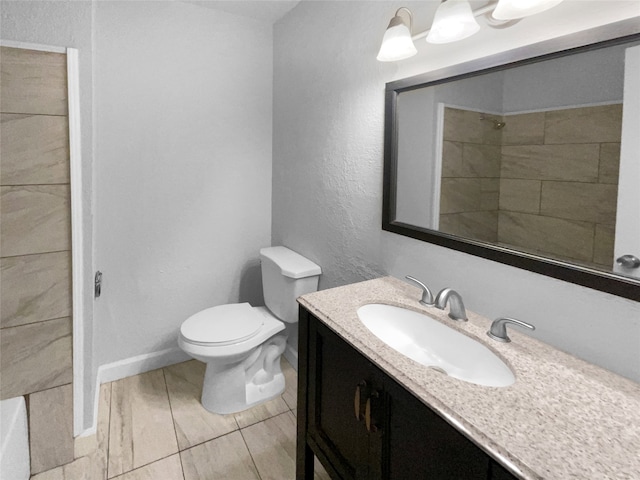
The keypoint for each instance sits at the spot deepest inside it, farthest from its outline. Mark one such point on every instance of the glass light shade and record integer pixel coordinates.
(454, 21)
(396, 43)
(512, 9)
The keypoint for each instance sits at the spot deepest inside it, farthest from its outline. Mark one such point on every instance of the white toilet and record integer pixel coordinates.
(241, 344)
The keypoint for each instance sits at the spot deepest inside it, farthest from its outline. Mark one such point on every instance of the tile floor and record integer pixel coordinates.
(152, 426)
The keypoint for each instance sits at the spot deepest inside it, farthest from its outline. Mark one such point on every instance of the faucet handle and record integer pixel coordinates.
(427, 296)
(498, 330)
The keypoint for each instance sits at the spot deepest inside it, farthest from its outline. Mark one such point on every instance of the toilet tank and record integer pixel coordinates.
(285, 276)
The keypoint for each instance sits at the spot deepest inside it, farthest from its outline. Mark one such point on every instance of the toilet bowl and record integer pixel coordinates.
(240, 344)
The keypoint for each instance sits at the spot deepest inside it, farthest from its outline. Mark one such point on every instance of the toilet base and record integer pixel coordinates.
(255, 380)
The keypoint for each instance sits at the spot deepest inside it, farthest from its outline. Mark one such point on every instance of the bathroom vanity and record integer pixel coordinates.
(368, 412)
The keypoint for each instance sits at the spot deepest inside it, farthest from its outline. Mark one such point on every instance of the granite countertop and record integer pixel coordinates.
(563, 418)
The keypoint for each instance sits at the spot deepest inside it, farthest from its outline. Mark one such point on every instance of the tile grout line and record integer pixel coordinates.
(173, 422)
(36, 114)
(144, 466)
(249, 450)
(34, 253)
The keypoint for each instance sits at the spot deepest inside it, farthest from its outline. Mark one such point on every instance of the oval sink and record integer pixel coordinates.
(433, 344)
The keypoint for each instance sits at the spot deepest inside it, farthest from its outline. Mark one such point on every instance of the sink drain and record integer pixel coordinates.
(438, 369)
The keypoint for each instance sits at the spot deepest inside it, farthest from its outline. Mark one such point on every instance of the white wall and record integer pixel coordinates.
(67, 24)
(183, 163)
(327, 172)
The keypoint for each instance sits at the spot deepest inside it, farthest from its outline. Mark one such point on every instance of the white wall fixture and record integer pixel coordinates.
(397, 43)
(512, 9)
(454, 20)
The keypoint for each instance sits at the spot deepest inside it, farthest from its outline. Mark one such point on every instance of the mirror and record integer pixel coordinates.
(520, 163)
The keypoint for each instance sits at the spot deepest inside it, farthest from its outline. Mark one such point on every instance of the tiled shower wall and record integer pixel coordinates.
(35, 249)
(559, 183)
(470, 175)
(556, 180)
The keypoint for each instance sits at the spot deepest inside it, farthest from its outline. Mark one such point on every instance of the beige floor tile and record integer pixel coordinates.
(51, 428)
(54, 474)
(261, 412)
(141, 427)
(290, 395)
(272, 444)
(84, 468)
(166, 469)
(100, 456)
(91, 453)
(319, 473)
(83, 446)
(193, 423)
(226, 457)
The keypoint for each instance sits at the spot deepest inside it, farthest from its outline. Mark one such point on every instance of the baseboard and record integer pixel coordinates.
(291, 354)
(127, 368)
(140, 364)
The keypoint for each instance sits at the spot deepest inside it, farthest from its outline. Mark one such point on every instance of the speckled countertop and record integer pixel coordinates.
(563, 418)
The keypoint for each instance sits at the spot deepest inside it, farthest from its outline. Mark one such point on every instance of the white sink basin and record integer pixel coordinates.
(431, 343)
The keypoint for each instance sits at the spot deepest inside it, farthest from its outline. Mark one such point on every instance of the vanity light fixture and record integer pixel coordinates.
(397, 43)
(454, 20)
(512, 9)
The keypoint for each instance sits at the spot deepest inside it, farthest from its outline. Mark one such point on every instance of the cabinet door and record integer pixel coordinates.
(422, 445)
(336, 418)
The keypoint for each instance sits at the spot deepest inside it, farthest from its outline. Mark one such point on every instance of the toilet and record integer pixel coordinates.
(241, 344)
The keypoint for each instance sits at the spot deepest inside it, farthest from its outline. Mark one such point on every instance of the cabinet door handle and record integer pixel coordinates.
(367, 414)
(371, 427)
(356, 399)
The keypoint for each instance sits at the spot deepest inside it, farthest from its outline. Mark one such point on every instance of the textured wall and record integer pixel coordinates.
(327, 174)
(183, 166)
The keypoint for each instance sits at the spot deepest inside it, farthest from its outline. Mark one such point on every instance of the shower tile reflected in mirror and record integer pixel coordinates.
(543, 182)
(470, 185)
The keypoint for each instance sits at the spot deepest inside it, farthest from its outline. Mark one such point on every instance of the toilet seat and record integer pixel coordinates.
(232, 350)
(222, 325)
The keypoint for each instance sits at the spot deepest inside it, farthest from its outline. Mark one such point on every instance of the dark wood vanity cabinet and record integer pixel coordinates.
(362, 424)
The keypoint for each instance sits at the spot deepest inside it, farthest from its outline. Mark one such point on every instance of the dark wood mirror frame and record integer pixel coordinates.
(614, 34)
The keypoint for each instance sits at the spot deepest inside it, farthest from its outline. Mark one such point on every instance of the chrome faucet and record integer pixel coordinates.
(427, 296)
(498, 330)
(456, 306)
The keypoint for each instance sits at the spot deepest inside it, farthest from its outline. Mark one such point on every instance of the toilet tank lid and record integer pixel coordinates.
(292, 264)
